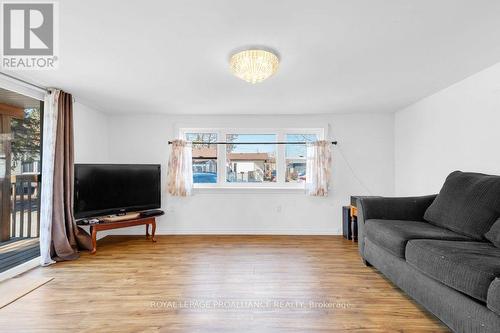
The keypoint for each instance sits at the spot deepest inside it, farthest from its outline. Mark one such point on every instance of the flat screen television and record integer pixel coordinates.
(104, 189)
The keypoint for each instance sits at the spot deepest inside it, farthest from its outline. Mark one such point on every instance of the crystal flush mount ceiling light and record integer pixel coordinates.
(254, 65)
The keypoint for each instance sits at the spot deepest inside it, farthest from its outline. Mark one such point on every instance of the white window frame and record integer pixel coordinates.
(280, 155)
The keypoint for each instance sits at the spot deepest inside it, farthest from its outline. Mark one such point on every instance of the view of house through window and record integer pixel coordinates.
(20, 168)
(262, 162)
(250, 163)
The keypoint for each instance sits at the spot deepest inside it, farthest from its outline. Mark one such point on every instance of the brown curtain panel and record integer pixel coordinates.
(67, 237)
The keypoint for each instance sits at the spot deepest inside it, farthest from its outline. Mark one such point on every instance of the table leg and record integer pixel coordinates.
(93, 232)
(147, 230)
(153, 230)
(353, 228)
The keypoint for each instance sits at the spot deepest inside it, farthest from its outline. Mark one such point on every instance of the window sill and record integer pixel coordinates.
(247, 189)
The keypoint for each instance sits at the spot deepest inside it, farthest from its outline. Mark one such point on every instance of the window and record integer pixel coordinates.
(204, 157)
(295, 155)
(238, 164)
(250, 163)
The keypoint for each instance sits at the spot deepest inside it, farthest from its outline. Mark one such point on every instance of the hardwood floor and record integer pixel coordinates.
(217, 284)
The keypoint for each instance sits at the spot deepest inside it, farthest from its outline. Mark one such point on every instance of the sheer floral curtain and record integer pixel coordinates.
(318, 168)
(180, 169)
(48, 152)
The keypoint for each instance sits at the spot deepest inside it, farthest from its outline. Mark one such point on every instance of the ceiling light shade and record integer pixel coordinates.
(254, 65)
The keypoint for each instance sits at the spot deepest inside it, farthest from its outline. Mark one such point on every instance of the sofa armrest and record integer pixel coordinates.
(493, 299)
(402, 208)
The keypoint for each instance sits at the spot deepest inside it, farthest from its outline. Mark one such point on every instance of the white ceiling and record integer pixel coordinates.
(337, 56)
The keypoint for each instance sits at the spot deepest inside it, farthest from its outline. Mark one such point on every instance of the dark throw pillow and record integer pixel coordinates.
(494, 234)
(468, 203)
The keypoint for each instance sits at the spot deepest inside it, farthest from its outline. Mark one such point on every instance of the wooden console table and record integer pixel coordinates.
(354, 222)
(94, 228)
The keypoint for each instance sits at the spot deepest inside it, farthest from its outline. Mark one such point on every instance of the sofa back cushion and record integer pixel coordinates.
(468, 203)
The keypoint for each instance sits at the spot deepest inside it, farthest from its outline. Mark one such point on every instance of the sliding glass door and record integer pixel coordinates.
(20, 169)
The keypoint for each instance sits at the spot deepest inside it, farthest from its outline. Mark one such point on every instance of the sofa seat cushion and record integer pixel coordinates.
(468, 267)
(468, 203)
(392, 235)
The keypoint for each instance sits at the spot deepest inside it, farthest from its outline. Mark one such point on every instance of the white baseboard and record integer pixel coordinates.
(252, 232)
(19, 269)
(277, 232)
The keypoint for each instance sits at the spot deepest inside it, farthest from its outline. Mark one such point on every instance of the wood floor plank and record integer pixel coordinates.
(13, 289)
(217, 284)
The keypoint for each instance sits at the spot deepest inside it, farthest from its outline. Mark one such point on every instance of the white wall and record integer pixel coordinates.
(91, 138)
(367, 141)
(90, 134)
(457, 128)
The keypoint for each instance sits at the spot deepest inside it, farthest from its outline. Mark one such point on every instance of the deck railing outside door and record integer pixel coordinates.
(25, 205)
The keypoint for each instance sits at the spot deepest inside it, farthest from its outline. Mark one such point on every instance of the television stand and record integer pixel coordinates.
(94, 228)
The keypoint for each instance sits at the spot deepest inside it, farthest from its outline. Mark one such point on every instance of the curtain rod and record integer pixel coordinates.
(250, 143)
(25, 82)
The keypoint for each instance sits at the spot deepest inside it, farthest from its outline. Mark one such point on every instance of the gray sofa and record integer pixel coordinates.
(442, 250)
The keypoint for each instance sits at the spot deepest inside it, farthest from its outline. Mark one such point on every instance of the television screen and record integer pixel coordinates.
(103, 189)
